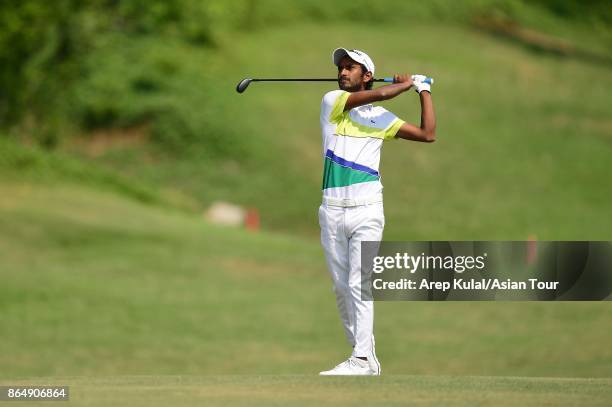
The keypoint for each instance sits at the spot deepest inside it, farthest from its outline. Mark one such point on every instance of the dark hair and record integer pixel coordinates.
(370, 84)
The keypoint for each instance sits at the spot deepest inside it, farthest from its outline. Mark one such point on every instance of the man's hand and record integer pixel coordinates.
(403, 78)
(419, 83)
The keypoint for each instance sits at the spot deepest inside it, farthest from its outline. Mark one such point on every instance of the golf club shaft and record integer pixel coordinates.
(243, 84)
(428, 80)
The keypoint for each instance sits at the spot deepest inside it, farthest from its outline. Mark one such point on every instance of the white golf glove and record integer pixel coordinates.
(419, 83)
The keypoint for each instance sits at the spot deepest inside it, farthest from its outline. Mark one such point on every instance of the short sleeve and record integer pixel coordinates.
(393, 128)
(332, 105)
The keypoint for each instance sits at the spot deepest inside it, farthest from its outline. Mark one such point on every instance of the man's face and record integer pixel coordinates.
(350, 75)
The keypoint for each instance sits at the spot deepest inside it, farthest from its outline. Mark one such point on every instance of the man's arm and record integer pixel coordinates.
(427, 132)
(401, 83)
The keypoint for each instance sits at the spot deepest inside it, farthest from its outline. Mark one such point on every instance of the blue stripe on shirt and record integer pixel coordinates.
(350, 164)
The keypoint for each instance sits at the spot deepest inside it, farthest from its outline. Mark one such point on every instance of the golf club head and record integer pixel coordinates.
(242, 85)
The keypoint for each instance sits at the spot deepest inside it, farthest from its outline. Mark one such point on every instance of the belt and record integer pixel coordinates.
(346, 202)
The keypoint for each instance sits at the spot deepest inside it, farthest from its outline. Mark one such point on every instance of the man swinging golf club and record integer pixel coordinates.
(352, 208)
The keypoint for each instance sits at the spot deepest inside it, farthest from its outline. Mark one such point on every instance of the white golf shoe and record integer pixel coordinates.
(351, 367)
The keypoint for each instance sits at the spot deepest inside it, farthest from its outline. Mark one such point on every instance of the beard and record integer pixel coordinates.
(348, 86)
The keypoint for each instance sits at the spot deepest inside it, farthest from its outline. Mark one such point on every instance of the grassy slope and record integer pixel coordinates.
(96, 284)
(524, 138)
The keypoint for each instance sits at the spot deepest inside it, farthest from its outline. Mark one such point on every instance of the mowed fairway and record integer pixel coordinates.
(247, 390)
(134, 304)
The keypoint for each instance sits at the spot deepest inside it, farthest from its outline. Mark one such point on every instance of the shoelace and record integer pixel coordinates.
(352, 362)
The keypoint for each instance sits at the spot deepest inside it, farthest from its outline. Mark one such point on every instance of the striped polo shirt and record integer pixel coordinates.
(351, 146)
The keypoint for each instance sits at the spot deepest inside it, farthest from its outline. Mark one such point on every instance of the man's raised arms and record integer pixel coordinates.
(401, 84)
(425, 133)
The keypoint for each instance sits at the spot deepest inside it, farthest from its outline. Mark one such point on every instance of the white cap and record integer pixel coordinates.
(356, 55)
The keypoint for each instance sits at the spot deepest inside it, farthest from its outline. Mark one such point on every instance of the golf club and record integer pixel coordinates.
(243, 84)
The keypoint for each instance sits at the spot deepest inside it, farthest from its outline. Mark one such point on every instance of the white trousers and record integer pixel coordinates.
(342, 230)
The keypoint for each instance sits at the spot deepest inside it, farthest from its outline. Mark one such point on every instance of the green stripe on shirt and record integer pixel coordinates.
(335, 175)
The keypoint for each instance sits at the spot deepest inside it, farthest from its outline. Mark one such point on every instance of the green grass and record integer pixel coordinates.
(96, 284)
(523, 137)
(19, 163)
(247, 390)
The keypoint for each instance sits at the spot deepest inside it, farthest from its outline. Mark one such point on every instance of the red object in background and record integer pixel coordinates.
(251, 221)
(532, 250)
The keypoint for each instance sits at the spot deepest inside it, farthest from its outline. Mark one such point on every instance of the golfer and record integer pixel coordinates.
(352, 208)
